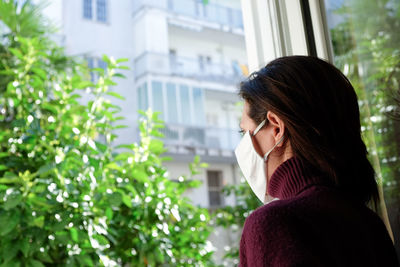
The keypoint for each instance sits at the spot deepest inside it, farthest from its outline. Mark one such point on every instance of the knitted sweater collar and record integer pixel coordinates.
(292, 177)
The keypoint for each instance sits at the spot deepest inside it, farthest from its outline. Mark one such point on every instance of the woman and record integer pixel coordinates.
(303, 156)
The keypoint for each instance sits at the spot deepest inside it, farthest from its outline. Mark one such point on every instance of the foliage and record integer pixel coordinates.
(366, 45)
(68, 197)
(233, 217)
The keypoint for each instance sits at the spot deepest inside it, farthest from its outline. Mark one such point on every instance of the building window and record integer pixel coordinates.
(172, 103)
(178, 104)
(214, 183)
(199, 118)
(185, 104)
(87, 9)
(94, 62)
(102, 64)
(90, 63)
(95, 9)
(101, 13)
(158, 98)
(143, 97)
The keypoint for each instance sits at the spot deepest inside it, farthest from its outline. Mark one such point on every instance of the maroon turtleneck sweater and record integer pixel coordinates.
(313, 224)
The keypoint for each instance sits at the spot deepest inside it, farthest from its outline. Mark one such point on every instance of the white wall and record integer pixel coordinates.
(222, 47)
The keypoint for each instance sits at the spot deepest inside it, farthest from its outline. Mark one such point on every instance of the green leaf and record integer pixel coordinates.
(8, 221)
(38, 221)
(156, 146)
(41, 73)
(84, 84)
(16, 52)
(114, 94)
(109, 213)
(35, 263)
(123, 68)
(45, 169)
(101, 239)
(62, 237)
(39, 201)
(114, 166)
(85, 260)
(140, 175)
(120, 60)
(12, 200)
(74, 234)
(115, 199)
(24, 246)
(44, 257)
(119, 75)
(127, 200)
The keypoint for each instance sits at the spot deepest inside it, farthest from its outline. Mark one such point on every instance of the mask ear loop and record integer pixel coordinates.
(259, 127)
(266, 154)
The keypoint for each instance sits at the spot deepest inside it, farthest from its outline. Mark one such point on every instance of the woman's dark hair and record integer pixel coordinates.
(319, 107)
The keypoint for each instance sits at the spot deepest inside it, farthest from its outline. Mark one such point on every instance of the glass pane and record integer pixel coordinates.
(87, 9)
(102, 64)
(101, 10)
(143, 97)
(172, 105)
(214, 198)
(199, 116)
(366, 44)
(214, 179)
(185, 104)
(90, 62)
(158, 101)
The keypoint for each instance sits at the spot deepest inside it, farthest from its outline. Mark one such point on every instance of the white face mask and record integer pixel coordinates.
(253, 166)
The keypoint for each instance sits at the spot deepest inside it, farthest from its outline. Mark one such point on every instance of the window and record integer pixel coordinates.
(90, 62)
(95, 9)
(178, 104)
(365, 41)
(101, 11)
(94, 62)
(87, 9)
(102, 64)
(172, 103)
(204, 62)
(143, 97)
(158, 101)
(185, 104)
(198, 106)
(214, 183)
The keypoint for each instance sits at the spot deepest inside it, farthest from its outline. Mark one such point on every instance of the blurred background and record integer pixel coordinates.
(88, 180)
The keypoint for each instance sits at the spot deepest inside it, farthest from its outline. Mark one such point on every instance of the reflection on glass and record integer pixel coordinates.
(366, 43)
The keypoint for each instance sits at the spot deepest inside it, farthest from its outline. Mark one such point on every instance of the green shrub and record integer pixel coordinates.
(67, 195)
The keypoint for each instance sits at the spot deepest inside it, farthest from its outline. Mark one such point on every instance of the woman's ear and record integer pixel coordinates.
(278, 126)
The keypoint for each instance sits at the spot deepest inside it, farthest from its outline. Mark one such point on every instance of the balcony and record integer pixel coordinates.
(164, 64)
(208, 138)
(222, 15)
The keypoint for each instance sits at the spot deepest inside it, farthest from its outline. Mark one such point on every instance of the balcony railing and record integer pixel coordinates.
(201, 137)
(187, 67)
(194, 8)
